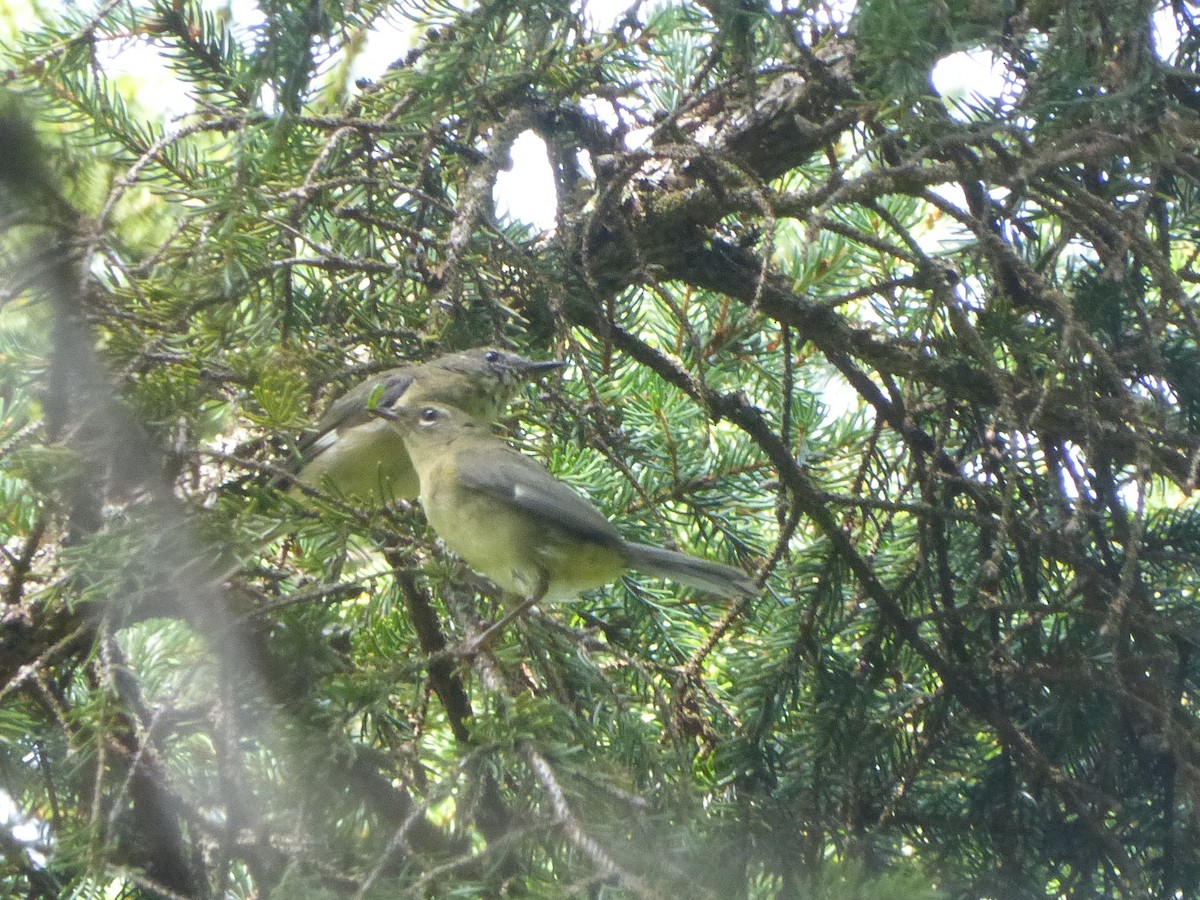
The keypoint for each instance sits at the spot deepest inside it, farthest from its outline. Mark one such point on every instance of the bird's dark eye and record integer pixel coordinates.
(429, 415)
(492, 356)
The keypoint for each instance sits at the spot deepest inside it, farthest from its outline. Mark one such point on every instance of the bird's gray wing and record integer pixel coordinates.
(515, 479)
(350, 409)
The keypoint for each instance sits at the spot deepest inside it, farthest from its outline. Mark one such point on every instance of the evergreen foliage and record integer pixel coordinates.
(925, 366)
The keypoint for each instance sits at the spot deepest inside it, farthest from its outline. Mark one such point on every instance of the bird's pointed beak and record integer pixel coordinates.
(536, 369)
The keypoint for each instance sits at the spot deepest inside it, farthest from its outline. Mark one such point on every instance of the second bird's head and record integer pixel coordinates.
(481, 381)
(492, 362)
(461, 389)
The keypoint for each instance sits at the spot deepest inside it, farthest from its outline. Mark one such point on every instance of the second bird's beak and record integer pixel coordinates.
(533, 368)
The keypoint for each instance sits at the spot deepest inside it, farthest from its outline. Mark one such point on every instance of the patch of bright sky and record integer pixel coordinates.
(145, 76)
(16, 16)
(1165, 30)
(525, 192)
(25, 831)
(390, 39)
(966, 80)
(971, 78)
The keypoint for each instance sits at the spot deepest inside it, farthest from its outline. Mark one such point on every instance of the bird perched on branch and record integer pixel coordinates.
(516, 524)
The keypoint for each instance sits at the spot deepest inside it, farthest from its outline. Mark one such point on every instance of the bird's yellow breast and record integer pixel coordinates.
(519, 552)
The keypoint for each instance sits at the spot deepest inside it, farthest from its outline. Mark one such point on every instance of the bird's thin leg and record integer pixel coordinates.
(473, 645)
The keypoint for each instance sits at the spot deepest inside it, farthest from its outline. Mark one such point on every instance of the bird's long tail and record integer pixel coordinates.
(701, 574)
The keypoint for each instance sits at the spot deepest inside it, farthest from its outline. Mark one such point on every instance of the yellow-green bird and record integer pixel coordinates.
(515, 523)
(360, 456)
